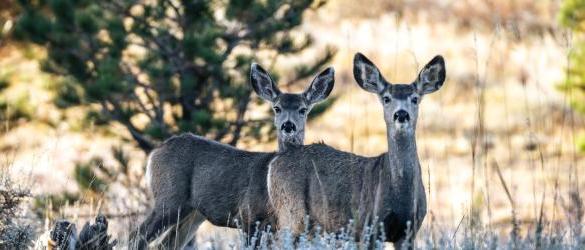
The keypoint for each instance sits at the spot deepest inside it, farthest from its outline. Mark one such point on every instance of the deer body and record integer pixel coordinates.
(193, 179)
(340, 186)
(334, 187)
(232, 189)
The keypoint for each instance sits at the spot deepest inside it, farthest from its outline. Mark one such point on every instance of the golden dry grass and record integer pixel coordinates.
(500, 105)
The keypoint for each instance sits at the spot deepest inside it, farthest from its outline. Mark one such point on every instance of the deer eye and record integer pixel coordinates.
(414, 100)
(302, 111)
(386, 99)
(277, 110)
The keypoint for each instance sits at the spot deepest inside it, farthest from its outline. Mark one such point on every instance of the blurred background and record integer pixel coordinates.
(88, 88)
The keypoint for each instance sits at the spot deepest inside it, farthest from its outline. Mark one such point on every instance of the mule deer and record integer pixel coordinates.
(332, 186)
(193, 178)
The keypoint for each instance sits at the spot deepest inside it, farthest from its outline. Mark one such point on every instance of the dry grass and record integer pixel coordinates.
(497, 143)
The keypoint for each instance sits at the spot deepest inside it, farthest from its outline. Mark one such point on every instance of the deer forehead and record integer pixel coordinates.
(291, 101)
(401, 91)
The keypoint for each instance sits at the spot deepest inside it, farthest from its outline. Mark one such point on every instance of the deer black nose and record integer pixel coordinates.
(288, 127)
(401, 116)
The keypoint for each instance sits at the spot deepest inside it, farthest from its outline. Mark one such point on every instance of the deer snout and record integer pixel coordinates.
(288, 127)
(401, 116)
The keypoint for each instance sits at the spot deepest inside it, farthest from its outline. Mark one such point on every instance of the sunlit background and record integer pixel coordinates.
(501, 144)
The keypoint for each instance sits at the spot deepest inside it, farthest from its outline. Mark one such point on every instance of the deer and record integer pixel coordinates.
(334, 187)
(194, 179)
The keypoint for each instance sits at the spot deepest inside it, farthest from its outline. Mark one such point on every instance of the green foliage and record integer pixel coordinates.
(169, 61)
(3, 83)
(17, 109)
(53, 202)
(67, 92)
(86, 177)
(94, 177)
(581, 142)
(572, 15)
(321, 107)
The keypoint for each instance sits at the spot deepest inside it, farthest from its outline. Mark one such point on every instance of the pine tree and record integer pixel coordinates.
(162, 67)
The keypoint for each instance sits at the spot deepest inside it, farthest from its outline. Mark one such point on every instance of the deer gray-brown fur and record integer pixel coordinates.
(334, 187)
(193, 179)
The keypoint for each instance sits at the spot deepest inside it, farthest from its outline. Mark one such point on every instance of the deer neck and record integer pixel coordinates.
(404, 176)
(403, 160)
(286, 143)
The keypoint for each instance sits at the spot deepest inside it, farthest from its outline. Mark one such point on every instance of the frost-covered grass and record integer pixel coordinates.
(464, 237)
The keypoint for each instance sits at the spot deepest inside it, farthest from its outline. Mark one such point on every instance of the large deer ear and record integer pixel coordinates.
(321, 86)
(367, 75)
(431, 77)
(263, 84)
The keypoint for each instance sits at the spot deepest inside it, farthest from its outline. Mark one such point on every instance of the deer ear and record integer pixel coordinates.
(263, 84)
(321, 86)
(431, 77)
(367, 74)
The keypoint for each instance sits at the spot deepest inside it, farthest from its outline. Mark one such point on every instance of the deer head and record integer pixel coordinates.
(400, 101)
(291, 110)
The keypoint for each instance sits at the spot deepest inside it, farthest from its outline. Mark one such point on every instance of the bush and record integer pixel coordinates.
(13, 233)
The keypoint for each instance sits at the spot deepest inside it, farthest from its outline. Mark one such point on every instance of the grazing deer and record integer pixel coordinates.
(333, 187)
(195, 179)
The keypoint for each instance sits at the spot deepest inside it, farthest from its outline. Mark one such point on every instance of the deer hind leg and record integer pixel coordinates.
(179, 235)
(156, 223)
(137, 239)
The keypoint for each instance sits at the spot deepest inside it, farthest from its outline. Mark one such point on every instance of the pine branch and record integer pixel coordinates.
(241, 111)
(142, 141)
(304, 71)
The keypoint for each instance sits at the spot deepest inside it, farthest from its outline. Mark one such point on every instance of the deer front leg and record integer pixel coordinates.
(291, 212)
(292, 219)
(406, 243)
